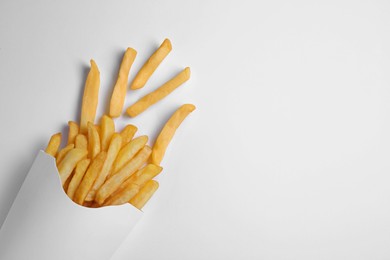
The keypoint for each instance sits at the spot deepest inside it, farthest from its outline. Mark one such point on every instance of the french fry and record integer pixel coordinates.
(99, 130)
(94, 141)
(89, 178)
(169, 129)
(128, 152)
(61, 154)
(155, 96)
(81, 142)
(107, 130)
(112, 153)
(144, 194)
(90, 98)
(131, 188)
(129, 180)
(73, 131)
(89, 204)
(120, 197)
(147, 173)
(70, 161)
(128, 133)
(66, 184)
(119, 92)
(54, 144)
(151, 65)
(110, 186)
(126, 183)
(79, 173)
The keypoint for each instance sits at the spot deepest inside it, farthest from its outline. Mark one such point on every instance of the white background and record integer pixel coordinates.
(286, 156)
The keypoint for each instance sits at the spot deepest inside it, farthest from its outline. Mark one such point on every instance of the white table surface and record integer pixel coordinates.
(287, 155)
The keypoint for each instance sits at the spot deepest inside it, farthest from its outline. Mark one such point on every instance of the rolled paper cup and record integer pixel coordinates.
(43, 223)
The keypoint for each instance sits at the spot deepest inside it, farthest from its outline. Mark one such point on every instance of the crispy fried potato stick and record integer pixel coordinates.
(89, 204)
(94, 141)
(132, 188)
(128, 133)
(144, 194)
(73, 131)
(66, 184)
(70, 161)
(155, 96)
(151, 65)
(107, 130)
(125, 184)
(61, 154)
(112, 152)
(89, 178)
(79, 173)
(129, 180)
(128, 152)
(119, 92)
(120, 197)
(54, 144)
(99, 130)
(90, 97)
(81, 141)
(166, 134)
(110, 186)
(147, 173)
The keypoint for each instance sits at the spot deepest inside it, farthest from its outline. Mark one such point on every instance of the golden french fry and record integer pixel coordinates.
(89, 178)
(94, 141)
(73, 131)
(129, 180)
(130, 188)
(147, 173)
(89, 204)
(125, 184)
(151, 65)
(119, 92)
(61, 154)
(107, 130)
(144, 194)
(90, 98)
(112, 152)
(93, 204)
(70, 161)
(169, 129)
(81, 142)
(128, 152)
(99, 130)
(110, 186)
(120, 197)
(128, 133)
(66, 184)
(54, 144)
(79, 173)
(155, 96)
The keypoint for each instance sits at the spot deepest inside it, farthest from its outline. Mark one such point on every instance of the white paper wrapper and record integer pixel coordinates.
(43, 223)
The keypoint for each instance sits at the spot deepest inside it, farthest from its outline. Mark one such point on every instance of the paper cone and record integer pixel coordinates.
(43, 223)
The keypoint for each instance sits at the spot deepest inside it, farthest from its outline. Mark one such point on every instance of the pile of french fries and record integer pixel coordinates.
(101, 167)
